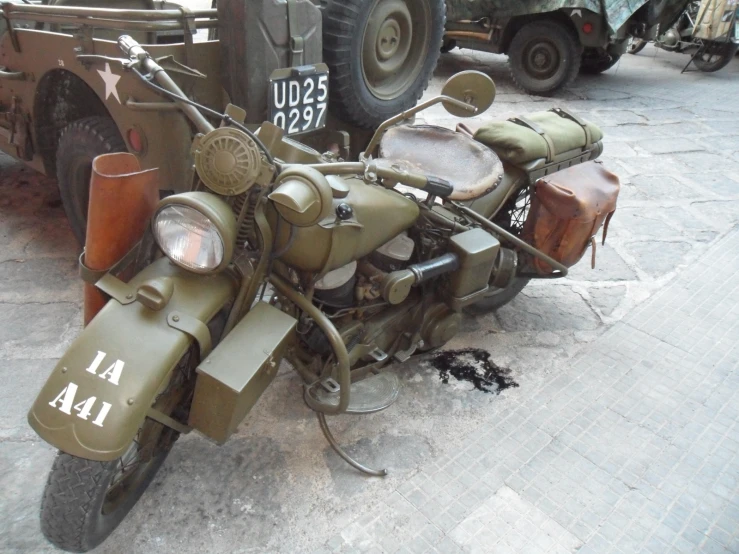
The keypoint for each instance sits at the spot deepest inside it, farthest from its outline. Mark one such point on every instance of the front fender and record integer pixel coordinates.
(101, 389)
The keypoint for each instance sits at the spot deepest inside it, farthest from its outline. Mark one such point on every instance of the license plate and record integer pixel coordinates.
(298, 98)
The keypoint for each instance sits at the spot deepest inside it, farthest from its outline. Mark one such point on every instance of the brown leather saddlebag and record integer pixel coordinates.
(567, 210)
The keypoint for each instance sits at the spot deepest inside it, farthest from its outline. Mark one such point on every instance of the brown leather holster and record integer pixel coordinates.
(567, 210)
(122, 200)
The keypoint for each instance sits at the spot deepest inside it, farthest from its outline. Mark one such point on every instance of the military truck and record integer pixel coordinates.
(327, 70)
(548, 42)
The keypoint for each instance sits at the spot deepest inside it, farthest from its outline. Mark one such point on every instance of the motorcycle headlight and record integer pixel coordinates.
(196, 230)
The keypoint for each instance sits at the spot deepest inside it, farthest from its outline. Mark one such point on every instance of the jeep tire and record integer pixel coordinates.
(381, 55)
(79, 144)
(544, 57)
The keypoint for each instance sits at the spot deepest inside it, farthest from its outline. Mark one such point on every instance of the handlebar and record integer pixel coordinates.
(148, 68)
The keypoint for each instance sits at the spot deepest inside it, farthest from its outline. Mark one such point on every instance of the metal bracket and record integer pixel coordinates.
(116, 289)
(188, 24)
(87, 45)
(167, 421)
(193, 327)
(297, 42)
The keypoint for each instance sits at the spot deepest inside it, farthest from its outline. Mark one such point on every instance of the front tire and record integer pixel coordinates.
(83, 503)
(544, 57)
(79, 144)
(381, 55)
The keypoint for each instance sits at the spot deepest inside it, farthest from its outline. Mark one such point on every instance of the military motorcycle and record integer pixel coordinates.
(706, 30)
(279, 252)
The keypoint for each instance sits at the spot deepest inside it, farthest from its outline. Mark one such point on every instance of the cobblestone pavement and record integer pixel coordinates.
(621, 436)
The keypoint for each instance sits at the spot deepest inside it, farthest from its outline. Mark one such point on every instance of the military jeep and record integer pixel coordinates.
(549, 41)
(329, 71)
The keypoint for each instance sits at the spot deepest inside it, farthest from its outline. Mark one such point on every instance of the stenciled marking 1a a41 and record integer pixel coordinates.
(84, 408)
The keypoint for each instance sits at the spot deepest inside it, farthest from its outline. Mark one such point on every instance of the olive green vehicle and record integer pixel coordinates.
(63, 104)
(548, 42)
(338, 267)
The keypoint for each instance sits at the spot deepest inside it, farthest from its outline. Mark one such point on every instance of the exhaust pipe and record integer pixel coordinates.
(122, 201)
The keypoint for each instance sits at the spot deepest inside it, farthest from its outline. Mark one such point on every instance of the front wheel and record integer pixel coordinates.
(713, 56)
(85, 500)
(544, 57)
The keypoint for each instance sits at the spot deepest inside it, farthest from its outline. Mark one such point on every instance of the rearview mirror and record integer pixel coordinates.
(471, 87)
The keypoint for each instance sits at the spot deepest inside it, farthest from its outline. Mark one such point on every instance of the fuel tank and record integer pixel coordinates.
(376, 215)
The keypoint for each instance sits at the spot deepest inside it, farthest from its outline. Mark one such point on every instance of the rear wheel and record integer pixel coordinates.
(381, 55)
(512, 218)
(85, 500)
(713, 56)
(79, 144)
(544, 57)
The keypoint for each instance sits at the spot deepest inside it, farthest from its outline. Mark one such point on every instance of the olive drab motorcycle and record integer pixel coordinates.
(279, 252)
(707, 30)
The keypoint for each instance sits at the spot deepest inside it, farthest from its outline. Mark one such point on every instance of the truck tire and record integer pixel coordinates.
(381, 55)
(80, 142)
(544, 57)
(597, 60)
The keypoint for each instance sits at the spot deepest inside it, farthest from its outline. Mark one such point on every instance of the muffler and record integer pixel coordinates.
(122, 200)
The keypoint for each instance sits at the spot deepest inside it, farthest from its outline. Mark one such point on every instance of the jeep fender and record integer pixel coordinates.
(98, 395)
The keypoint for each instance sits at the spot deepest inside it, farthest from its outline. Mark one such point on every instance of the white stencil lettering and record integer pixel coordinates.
(114, 371)
(67, 398)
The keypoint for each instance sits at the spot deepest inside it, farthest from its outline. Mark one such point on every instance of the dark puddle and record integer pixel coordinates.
(473, 365)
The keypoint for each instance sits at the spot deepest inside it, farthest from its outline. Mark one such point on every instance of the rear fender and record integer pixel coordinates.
(99, 393)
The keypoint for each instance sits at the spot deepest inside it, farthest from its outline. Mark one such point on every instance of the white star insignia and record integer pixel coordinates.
(578, 12)
(110, 79)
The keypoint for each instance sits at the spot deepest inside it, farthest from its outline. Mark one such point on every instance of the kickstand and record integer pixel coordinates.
(332, 441)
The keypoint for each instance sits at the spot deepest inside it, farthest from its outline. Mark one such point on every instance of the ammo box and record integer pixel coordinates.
(233, 377)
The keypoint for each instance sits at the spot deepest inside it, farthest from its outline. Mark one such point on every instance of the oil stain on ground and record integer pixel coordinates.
(473, 365)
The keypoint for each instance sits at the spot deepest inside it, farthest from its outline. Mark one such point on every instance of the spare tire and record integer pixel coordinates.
(381, 55)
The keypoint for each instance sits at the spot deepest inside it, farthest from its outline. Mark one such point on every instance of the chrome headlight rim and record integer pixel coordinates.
(216, 211)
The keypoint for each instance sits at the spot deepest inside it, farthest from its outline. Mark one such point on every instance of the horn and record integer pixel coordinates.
(122, 201)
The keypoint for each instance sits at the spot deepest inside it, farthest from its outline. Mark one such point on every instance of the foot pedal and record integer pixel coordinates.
(373, 394)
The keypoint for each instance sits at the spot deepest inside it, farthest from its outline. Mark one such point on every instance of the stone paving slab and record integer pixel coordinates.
(632, 447)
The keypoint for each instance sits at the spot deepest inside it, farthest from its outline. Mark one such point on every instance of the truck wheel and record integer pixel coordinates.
(597, 60)
(381, 55)
(544, 57)
(80, 142)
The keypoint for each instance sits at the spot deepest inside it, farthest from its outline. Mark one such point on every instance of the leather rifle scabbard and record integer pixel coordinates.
(122, 201)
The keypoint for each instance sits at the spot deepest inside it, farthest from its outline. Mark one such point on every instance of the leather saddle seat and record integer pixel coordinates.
(469, 166)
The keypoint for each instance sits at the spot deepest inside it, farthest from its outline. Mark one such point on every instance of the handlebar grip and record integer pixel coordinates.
(439, 187)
